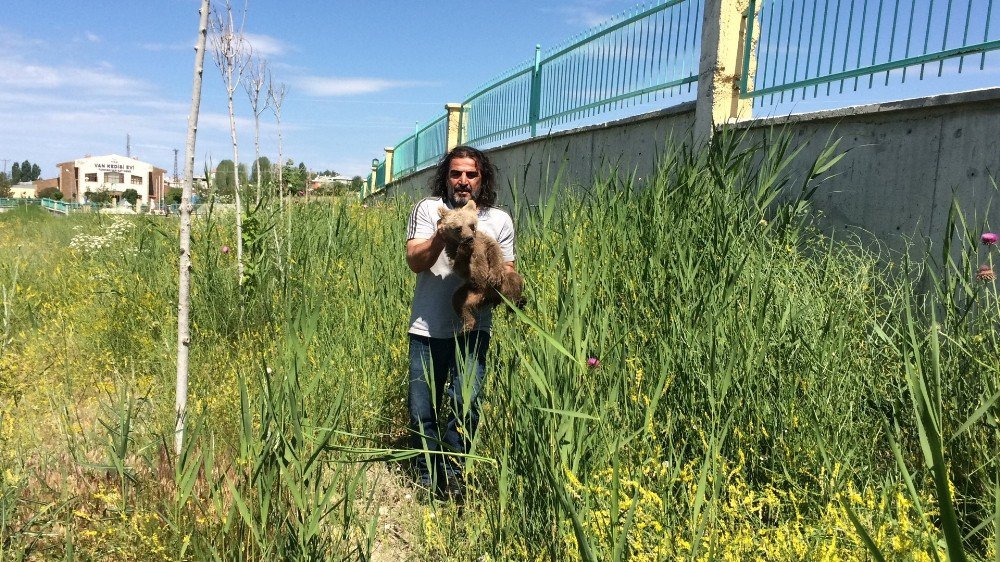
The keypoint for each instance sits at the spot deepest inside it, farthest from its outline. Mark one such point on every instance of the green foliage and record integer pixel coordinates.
(130, 195)
(357, 183)
(294, 177)
(24, 172)
(5, 190)
(331, 189)
(762, 391)
(174, 195)
(225, 179)
(102, 196)
(264, 165)
(51, 193)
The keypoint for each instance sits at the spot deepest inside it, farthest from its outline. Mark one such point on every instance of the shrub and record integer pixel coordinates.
(174, 195)
(98, 196)
(51, 193)
(131, 196)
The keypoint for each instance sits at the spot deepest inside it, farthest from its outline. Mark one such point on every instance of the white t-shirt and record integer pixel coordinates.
(432, 314)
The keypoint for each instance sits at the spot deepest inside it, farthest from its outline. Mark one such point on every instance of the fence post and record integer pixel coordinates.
(534, 109)
(374, 176)
(388, 163)
(416, 145)
(454, 126)
(719, 67)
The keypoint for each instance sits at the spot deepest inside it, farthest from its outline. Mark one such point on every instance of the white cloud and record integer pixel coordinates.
(586, 13)
(333, 86)
(219, 122)
(11, 40)
(588, 17)
(291, 68)
(92, 37)
(160, 47)
(44, 101)
(57, 110)
(18, 75)
(265, 45)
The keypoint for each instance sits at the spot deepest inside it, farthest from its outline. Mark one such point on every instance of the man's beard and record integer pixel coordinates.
(458, 203)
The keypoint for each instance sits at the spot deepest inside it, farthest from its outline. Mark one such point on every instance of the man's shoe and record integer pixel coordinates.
(425, 488)
(455, 488)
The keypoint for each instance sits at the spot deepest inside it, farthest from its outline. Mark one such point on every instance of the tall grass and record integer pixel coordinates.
(699, 374)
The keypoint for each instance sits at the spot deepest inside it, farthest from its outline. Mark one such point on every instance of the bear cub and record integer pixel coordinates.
(477, 259)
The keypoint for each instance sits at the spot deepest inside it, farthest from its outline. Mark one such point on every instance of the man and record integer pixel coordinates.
(439, 351)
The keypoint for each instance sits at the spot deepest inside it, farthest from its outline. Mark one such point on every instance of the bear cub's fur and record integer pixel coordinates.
(476, 257)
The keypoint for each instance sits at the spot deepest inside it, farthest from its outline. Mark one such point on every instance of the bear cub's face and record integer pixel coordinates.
(459, 225)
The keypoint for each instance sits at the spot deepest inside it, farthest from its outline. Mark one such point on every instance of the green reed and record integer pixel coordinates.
(736, 351)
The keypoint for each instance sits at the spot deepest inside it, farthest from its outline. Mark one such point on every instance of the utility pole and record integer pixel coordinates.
(5, 168)
(128, 145)
(175, 166)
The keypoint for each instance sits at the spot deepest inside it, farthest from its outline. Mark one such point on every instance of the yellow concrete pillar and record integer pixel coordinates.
(454, 125)
(374, 173)
(388, 163)
(722, 44)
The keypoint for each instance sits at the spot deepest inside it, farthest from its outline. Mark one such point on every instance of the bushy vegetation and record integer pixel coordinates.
(51, 193)
(699, 374)
(174, 196)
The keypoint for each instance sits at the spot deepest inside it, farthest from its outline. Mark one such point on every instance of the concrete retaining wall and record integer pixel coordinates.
(905, 161)
(528, 168)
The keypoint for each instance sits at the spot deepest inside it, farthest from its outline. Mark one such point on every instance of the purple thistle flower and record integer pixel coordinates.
(986, 273)
(224, 249)
(593, 362)
(989, 238)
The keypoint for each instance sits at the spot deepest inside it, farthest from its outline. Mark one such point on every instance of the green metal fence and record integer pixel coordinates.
(10, 202)
(502, 109)
(67, 207)
(423, 147)
(51, 204)
(404, 157)
(648, 57)
(826, 47)
(636, 59)
(432, 139)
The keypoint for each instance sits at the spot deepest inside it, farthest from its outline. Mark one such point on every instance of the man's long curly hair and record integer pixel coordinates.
(487, 186)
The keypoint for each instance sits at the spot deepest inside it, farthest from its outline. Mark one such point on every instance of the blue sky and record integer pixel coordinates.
(77, 77)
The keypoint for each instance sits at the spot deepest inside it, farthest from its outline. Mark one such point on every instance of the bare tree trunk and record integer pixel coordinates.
(184, 285)
(237, 192)
(276, 96)
(253, 84)
(229, 49)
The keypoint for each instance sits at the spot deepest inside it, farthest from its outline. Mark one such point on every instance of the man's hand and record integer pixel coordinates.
(422, 253)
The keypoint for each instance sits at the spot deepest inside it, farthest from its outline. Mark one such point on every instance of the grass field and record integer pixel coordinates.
(757, 391)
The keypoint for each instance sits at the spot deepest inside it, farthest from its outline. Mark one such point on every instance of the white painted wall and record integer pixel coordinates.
(100, 166)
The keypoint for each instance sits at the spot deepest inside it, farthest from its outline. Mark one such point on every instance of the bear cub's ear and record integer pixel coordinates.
(443, 211)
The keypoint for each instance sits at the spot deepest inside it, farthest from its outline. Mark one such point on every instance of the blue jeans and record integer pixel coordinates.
(434, 362)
